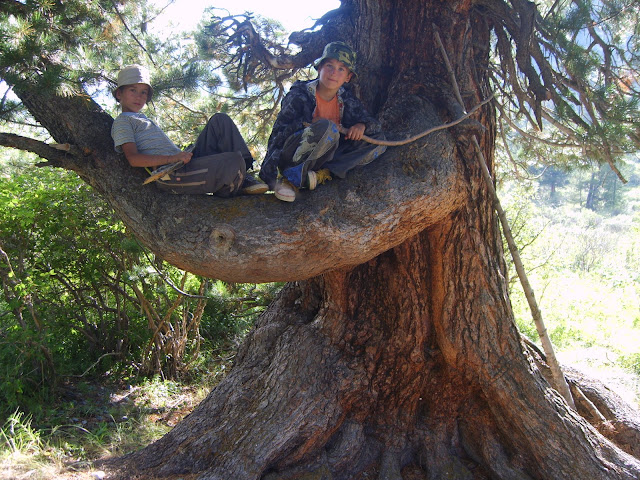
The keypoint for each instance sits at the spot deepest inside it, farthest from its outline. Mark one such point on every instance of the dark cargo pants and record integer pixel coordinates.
(219, 163)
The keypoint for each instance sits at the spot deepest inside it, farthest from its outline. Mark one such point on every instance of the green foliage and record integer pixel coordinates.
(632, 362)
(583, 266)
(231, 311)
(81, 296)
(35, 33)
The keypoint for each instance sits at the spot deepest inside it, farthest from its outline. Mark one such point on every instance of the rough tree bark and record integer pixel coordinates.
(393, 353)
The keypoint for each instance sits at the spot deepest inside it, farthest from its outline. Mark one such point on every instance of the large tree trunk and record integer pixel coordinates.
(408, 366)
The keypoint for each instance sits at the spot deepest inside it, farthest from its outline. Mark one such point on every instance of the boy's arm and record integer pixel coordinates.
(137, 159)
(355, 113)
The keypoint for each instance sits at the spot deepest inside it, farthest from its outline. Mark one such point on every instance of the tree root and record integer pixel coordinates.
(604, 409)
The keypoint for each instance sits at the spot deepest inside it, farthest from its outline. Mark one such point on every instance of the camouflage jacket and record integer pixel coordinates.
(297, 108)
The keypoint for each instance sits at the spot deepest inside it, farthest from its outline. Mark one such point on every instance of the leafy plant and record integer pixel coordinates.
(83, 298)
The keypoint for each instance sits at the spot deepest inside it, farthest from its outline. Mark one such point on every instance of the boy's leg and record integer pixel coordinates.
(308, 150)
(351, 154)
(221, 135)
(221, 174)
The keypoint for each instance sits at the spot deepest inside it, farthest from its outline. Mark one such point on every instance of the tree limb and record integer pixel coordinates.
(52, 152)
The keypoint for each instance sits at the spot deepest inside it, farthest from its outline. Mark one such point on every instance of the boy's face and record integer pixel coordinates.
(133, 97)
(333, 74)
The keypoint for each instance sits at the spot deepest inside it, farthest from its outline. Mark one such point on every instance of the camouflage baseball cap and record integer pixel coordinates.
(340, 51)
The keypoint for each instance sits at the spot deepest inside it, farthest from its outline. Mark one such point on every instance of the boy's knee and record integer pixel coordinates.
(220, 118)
(322, 124)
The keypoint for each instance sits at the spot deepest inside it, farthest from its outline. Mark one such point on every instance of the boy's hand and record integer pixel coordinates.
(184, 157)
(355, 132)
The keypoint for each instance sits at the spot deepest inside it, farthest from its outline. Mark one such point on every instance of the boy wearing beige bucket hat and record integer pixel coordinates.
(217, 164)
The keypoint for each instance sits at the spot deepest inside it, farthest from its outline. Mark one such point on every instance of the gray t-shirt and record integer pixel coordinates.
(137, 128)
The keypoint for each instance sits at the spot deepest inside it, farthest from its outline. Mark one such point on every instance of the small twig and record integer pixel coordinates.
(93, 365)
(170, 283)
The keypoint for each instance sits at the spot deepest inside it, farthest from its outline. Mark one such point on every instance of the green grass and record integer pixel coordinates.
(99, 422)
(593, 320)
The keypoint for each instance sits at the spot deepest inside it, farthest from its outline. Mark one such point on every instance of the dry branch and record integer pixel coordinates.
(397, 143)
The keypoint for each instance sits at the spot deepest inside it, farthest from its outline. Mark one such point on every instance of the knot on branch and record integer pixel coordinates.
(222, 238)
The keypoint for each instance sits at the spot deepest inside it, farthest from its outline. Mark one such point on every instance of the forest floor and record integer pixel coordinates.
(103, 422)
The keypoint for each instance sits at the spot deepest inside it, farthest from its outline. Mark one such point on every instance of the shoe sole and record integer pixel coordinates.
(256, 189)
(313, 179)
(285, 198)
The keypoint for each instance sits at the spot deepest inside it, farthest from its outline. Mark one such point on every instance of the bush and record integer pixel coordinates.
(83, 298)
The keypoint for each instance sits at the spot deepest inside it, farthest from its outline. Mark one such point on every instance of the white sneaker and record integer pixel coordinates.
(284, 191)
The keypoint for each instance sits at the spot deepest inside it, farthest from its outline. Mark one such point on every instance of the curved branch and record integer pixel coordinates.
(258, 238)
(56, 154)
(342, 224)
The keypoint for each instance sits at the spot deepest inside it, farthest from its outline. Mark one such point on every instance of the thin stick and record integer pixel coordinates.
(397, 143)
(554, 365)
(162, 171)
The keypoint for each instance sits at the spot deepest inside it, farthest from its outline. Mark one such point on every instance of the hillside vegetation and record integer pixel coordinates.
(579, 234)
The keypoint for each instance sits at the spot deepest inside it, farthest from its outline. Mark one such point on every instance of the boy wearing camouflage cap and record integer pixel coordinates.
(305, 147)
(217, 164)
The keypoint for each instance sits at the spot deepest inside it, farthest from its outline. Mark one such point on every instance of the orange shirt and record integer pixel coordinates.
(329, 110)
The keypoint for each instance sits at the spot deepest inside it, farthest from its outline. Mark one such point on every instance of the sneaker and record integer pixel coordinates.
(252, 186)
(318, 178)
(312, 179)
(285, 191)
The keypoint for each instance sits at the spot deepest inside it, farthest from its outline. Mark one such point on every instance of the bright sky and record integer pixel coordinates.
(293, 14)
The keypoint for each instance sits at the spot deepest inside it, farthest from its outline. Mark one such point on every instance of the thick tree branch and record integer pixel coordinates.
(55, 154)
